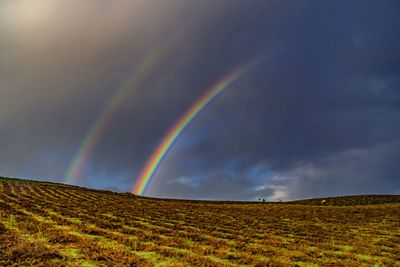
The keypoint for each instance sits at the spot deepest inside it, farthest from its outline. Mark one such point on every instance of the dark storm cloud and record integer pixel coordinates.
(319, 116)
(324, 97)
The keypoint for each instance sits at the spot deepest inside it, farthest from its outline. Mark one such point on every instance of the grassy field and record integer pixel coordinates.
(46, 224)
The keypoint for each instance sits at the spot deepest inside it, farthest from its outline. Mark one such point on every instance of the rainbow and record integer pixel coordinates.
(96, 131)
(173, 134)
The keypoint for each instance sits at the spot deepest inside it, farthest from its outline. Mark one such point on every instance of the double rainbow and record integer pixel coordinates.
(174, 133)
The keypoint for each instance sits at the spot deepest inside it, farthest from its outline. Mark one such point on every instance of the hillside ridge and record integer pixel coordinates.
(345, 200)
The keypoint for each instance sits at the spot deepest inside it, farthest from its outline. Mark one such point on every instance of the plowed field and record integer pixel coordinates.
(45, 224)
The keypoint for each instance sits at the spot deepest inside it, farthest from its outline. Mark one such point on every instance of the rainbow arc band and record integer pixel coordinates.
(96, 131)
(174, 133)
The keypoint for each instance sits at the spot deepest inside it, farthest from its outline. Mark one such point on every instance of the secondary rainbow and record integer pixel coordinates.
(97, 129)
(173, 134)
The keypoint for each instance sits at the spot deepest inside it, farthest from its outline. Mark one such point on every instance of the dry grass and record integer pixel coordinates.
(46, 224)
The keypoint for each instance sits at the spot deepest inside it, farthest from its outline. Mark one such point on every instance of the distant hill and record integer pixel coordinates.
(350, 200)
(49, 224)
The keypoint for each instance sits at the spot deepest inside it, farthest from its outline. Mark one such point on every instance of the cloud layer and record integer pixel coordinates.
(319, 116)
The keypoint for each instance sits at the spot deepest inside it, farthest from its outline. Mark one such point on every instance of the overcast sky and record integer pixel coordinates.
(318, 116)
